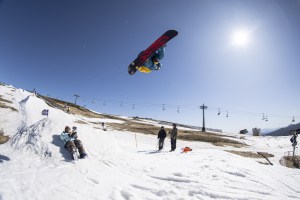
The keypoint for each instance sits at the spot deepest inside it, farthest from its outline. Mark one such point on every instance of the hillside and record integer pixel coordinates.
(138, 125)
(284, 131)
(123, 162)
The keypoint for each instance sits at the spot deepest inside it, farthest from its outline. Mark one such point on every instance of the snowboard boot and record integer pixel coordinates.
(75, 156)
(158, 66)
(83, 155)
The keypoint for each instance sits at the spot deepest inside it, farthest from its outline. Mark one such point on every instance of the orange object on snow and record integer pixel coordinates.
(186, 149)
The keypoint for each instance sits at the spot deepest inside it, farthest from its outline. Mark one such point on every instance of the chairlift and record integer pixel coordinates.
(178, 110)
(121, 104)
(293, 119)
(227, 114)
(163, 107)
(219, 112)
(133, 106)
(266, 118)
(104, 103)
(263, 117)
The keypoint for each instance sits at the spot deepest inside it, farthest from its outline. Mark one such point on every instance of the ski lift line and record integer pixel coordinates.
(252, 113)
(197, 108)
(190, 107)
(137, 103)
(236, 112)
(107, 101)
(182, 107)
(233, 110)
(156, 104)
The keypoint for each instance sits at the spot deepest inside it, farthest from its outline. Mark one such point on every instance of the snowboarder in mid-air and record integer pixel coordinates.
(149, 59)
(153, 63)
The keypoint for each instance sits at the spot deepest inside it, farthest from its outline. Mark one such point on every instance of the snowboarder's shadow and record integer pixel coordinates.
(2, 158)
(64, 151)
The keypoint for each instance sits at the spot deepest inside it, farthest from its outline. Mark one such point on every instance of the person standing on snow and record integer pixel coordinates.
(72, 142)
(153, 63)
(68, 109)
(294, 140)
(161, 136)
(173, 137)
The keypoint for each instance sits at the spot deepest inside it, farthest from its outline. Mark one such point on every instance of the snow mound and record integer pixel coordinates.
(30, 139)
(31, 108)
(30, 129)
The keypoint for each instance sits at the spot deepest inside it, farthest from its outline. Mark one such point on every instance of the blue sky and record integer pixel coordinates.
(67, 47)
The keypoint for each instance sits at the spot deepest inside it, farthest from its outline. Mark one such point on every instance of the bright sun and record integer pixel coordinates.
(240, 38)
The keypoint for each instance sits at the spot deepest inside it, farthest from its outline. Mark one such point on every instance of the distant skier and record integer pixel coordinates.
(103, 127)
(71, 141)
(161, 136)
(34, 92)
(173, 133)
(153, 63)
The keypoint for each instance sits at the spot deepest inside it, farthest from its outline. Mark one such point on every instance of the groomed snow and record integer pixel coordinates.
(125, 165)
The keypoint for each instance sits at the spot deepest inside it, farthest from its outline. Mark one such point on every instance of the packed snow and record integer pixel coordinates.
(125, 165)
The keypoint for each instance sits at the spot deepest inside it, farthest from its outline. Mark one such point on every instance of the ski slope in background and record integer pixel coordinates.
(35, 165)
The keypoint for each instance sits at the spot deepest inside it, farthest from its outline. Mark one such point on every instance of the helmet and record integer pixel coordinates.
(67, 129)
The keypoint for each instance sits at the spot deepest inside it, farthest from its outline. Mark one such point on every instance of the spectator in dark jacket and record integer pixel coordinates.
(161, 136)
(173, 137)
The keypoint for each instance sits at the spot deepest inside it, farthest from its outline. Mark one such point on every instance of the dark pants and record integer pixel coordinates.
(173, 143)
(161, 143)
(72, 145)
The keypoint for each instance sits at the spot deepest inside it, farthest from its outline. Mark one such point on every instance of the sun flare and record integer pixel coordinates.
(240, 38)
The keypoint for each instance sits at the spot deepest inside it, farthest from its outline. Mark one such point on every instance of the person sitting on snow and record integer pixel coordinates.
(153, 63)
(72, 142)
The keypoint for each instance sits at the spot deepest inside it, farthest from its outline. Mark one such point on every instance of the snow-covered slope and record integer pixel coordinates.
(124, 165)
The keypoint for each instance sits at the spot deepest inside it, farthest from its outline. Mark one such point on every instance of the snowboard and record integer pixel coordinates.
(75, 156)
(144, 55)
